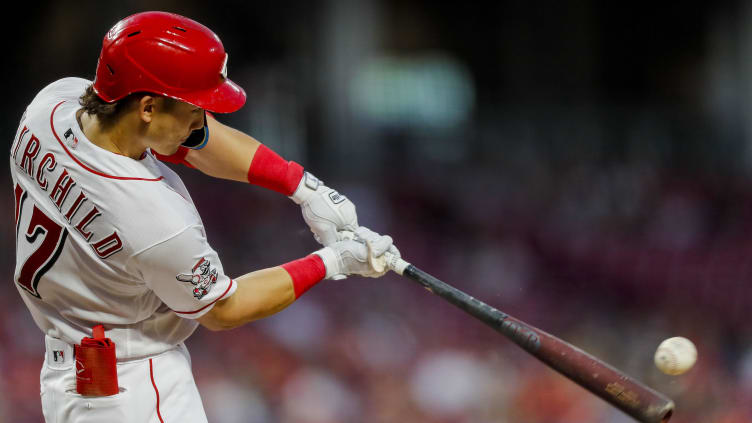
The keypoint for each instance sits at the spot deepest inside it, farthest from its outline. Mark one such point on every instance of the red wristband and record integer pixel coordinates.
(305, 273)
(271, 171)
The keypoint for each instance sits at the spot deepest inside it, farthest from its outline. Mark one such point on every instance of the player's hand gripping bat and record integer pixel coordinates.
(632, 397)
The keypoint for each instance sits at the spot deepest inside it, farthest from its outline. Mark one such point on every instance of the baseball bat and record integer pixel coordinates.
(615, 387)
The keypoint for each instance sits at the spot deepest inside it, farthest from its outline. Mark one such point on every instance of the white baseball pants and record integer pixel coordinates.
(157, 389)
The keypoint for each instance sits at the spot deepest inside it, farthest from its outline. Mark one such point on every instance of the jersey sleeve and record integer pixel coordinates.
(185, 273)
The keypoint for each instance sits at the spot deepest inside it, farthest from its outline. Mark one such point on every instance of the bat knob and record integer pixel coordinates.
(395, 263)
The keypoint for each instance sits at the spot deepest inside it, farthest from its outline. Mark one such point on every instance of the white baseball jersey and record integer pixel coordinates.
(103, 238)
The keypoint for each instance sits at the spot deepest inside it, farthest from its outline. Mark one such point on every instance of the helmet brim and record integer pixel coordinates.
(228, 97)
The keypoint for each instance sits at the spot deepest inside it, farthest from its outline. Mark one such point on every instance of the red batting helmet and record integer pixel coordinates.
(170, 55)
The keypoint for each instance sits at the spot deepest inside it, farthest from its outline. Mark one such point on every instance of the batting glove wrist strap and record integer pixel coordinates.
(331, 261)
(271, 171)
(306, 188)
(324, 209)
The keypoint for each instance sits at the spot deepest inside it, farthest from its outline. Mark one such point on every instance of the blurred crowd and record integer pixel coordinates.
(582, 167)
(612, 272)
(618, 259)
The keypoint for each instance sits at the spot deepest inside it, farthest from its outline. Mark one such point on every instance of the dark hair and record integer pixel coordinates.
(110, 113)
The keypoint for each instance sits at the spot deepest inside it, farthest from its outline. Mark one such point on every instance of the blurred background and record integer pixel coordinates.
(582, 165)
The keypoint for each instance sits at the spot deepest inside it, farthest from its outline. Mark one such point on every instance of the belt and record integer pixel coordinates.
(59, 354)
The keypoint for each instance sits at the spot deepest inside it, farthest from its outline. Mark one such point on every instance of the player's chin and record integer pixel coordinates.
(166, 150)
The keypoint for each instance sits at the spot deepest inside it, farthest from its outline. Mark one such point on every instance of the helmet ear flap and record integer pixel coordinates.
(169, 55)
(198, 138)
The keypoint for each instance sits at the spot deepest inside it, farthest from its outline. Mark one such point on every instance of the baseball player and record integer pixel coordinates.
(112, 258)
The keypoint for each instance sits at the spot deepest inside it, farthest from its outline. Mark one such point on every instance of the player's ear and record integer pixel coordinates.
(146, 108)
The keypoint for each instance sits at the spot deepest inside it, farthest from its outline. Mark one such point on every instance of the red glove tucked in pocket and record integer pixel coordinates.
(96, 365)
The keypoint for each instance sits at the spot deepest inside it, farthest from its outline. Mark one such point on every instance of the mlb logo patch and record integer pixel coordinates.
(71, 139)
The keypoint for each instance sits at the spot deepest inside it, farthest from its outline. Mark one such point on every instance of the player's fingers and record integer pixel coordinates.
(343, 235)
(379, 245)
(366, 234)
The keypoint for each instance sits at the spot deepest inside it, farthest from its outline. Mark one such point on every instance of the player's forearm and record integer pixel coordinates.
(232, 154)
(265, 292)
(227, 155)
(259, 294)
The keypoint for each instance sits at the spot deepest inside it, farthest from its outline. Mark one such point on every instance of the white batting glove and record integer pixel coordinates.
(356, 256)
(324, 210)
(372, 237)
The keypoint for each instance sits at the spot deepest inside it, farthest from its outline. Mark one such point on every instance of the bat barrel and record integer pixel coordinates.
(634, 398)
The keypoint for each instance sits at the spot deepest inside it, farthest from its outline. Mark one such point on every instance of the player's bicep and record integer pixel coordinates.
(185, 273)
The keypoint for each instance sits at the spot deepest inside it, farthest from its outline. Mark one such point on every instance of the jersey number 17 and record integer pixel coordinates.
(45, 255)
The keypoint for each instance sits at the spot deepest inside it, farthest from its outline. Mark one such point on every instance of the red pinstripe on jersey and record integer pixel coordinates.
(62, 144)
(156, 391)
(219, 298)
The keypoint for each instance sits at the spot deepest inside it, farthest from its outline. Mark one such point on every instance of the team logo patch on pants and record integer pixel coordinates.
(203, 276)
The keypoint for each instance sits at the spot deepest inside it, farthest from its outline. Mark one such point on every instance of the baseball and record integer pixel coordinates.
(675, 356)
